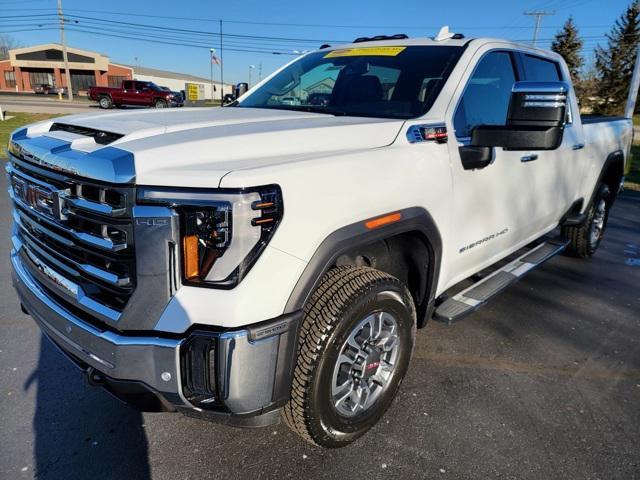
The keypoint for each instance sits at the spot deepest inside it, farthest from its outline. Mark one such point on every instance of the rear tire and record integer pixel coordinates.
(584, 239)
(105, 102)
(355, 344)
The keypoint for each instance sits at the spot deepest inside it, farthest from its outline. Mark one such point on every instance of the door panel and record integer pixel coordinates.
(502, 206)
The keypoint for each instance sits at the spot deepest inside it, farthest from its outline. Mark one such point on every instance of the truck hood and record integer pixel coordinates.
(197, 147)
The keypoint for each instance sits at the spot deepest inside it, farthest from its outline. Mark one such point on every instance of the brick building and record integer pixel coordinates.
(43, 64)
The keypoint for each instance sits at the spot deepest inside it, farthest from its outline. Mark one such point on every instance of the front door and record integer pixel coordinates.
(506, 204)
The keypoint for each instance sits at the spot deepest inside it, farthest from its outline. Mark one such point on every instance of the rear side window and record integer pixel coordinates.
(485, 100)
(539, 69)
(128, 85)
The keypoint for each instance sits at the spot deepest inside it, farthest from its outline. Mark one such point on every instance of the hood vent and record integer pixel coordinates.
(101, 137)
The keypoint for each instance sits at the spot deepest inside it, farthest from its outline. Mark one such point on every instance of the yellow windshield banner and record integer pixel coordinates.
(365, 51)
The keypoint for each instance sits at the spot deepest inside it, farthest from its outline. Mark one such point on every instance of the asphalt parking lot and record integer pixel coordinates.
(544, 383)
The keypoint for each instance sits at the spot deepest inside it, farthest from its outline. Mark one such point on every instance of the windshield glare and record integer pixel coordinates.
(389, 82)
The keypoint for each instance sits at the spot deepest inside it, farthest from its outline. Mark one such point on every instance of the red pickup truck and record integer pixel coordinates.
(136, 93)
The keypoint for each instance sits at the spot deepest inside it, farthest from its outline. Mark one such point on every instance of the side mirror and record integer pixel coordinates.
(536, 118)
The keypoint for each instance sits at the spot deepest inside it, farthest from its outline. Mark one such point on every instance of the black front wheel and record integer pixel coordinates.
(354, 349)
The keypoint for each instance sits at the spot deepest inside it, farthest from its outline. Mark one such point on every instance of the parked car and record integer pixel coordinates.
(136, 93)
(272, 258)
(177, 96)
(321, 99)
(48, 89)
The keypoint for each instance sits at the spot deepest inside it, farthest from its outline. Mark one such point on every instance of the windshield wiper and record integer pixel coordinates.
(302, 108)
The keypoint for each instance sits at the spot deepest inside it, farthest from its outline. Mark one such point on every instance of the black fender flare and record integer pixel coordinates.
(414, 219)
(613, 157)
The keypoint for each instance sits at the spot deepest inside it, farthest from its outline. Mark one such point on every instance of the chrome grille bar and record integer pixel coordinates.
(75, 237)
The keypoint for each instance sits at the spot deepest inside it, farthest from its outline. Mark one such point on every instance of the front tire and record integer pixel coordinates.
(355, 344)
(584, 239)
(160, 104)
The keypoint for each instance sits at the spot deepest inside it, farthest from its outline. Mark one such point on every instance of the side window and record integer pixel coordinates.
(128, 85)
(485, 100)
(537, 69)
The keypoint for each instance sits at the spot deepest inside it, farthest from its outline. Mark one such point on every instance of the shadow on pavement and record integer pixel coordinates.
(80, 431)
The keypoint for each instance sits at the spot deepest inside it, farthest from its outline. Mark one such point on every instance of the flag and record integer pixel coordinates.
(214, 59)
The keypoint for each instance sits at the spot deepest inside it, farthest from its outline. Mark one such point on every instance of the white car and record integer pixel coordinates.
(272, 258)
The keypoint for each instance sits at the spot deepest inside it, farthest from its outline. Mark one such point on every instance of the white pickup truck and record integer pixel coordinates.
(277, 256)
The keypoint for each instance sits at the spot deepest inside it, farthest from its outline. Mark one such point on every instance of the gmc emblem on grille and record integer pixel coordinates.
(38, 198)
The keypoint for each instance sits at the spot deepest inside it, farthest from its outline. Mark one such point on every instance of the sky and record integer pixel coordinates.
(253, 29)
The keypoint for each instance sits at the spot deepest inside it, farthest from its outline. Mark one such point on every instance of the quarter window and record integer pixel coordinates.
(485, 100)
(540, 69)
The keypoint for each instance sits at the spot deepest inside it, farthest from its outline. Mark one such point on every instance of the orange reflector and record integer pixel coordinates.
(191, 261)
(380, 221)
(263, 205)
(261, 220)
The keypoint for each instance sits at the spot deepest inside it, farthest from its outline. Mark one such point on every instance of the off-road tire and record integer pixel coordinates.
(105, 102)
(580, 243)
(345, 296)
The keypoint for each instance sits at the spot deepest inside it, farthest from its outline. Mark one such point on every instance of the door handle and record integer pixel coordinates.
(530, 157)
(578, 146)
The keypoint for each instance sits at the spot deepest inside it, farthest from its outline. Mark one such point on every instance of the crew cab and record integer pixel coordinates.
(135, 93)
(275, 258)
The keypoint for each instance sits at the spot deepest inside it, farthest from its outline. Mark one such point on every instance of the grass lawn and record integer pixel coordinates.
(18, 120)
(632, 180)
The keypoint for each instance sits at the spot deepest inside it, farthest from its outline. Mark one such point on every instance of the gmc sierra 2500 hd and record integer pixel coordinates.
(277, 256)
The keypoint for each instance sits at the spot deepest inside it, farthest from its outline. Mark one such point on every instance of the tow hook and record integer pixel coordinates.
(94, 377)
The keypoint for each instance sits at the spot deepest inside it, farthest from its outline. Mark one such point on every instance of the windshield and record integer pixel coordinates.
(388, 82)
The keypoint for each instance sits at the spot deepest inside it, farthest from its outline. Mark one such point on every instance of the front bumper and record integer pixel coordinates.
(250, 370)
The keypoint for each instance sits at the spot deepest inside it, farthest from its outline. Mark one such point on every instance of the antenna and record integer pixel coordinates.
(444, 34)
(538, 14)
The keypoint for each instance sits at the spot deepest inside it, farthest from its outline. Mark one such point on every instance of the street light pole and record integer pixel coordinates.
(65, 57)
(212, 51)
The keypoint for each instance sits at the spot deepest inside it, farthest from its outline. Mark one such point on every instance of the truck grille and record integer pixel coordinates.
(77, 237)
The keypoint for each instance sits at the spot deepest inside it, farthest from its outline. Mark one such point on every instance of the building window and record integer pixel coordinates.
(40, 78)
(116, 80)
(10, 79)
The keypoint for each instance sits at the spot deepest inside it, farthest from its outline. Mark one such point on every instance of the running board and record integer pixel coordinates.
(473, 297)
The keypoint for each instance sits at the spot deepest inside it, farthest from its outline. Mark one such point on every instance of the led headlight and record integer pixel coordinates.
(223, 232)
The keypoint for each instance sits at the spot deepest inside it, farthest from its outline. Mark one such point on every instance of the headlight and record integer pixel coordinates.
(223, 232)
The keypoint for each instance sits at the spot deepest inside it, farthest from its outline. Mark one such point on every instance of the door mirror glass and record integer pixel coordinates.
(535, 121)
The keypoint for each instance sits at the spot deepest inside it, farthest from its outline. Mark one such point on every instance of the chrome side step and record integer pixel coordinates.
(473, 297)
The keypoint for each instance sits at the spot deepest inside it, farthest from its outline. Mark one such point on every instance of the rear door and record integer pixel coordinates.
(129, 95)
(565, 168)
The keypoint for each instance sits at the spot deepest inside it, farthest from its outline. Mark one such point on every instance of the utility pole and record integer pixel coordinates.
(65, 57)
(221, 69)
(538, 14)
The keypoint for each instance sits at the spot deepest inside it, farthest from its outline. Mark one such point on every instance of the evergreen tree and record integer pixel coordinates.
(568, 44)
(615, 62)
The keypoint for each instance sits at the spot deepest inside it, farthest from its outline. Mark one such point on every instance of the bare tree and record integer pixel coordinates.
(7, 43)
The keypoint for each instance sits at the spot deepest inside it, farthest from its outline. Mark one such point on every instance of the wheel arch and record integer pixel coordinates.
(612, 174)
(412, 241)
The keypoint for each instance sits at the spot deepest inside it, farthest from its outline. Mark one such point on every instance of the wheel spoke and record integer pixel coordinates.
(344, 391)
(390, 343)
